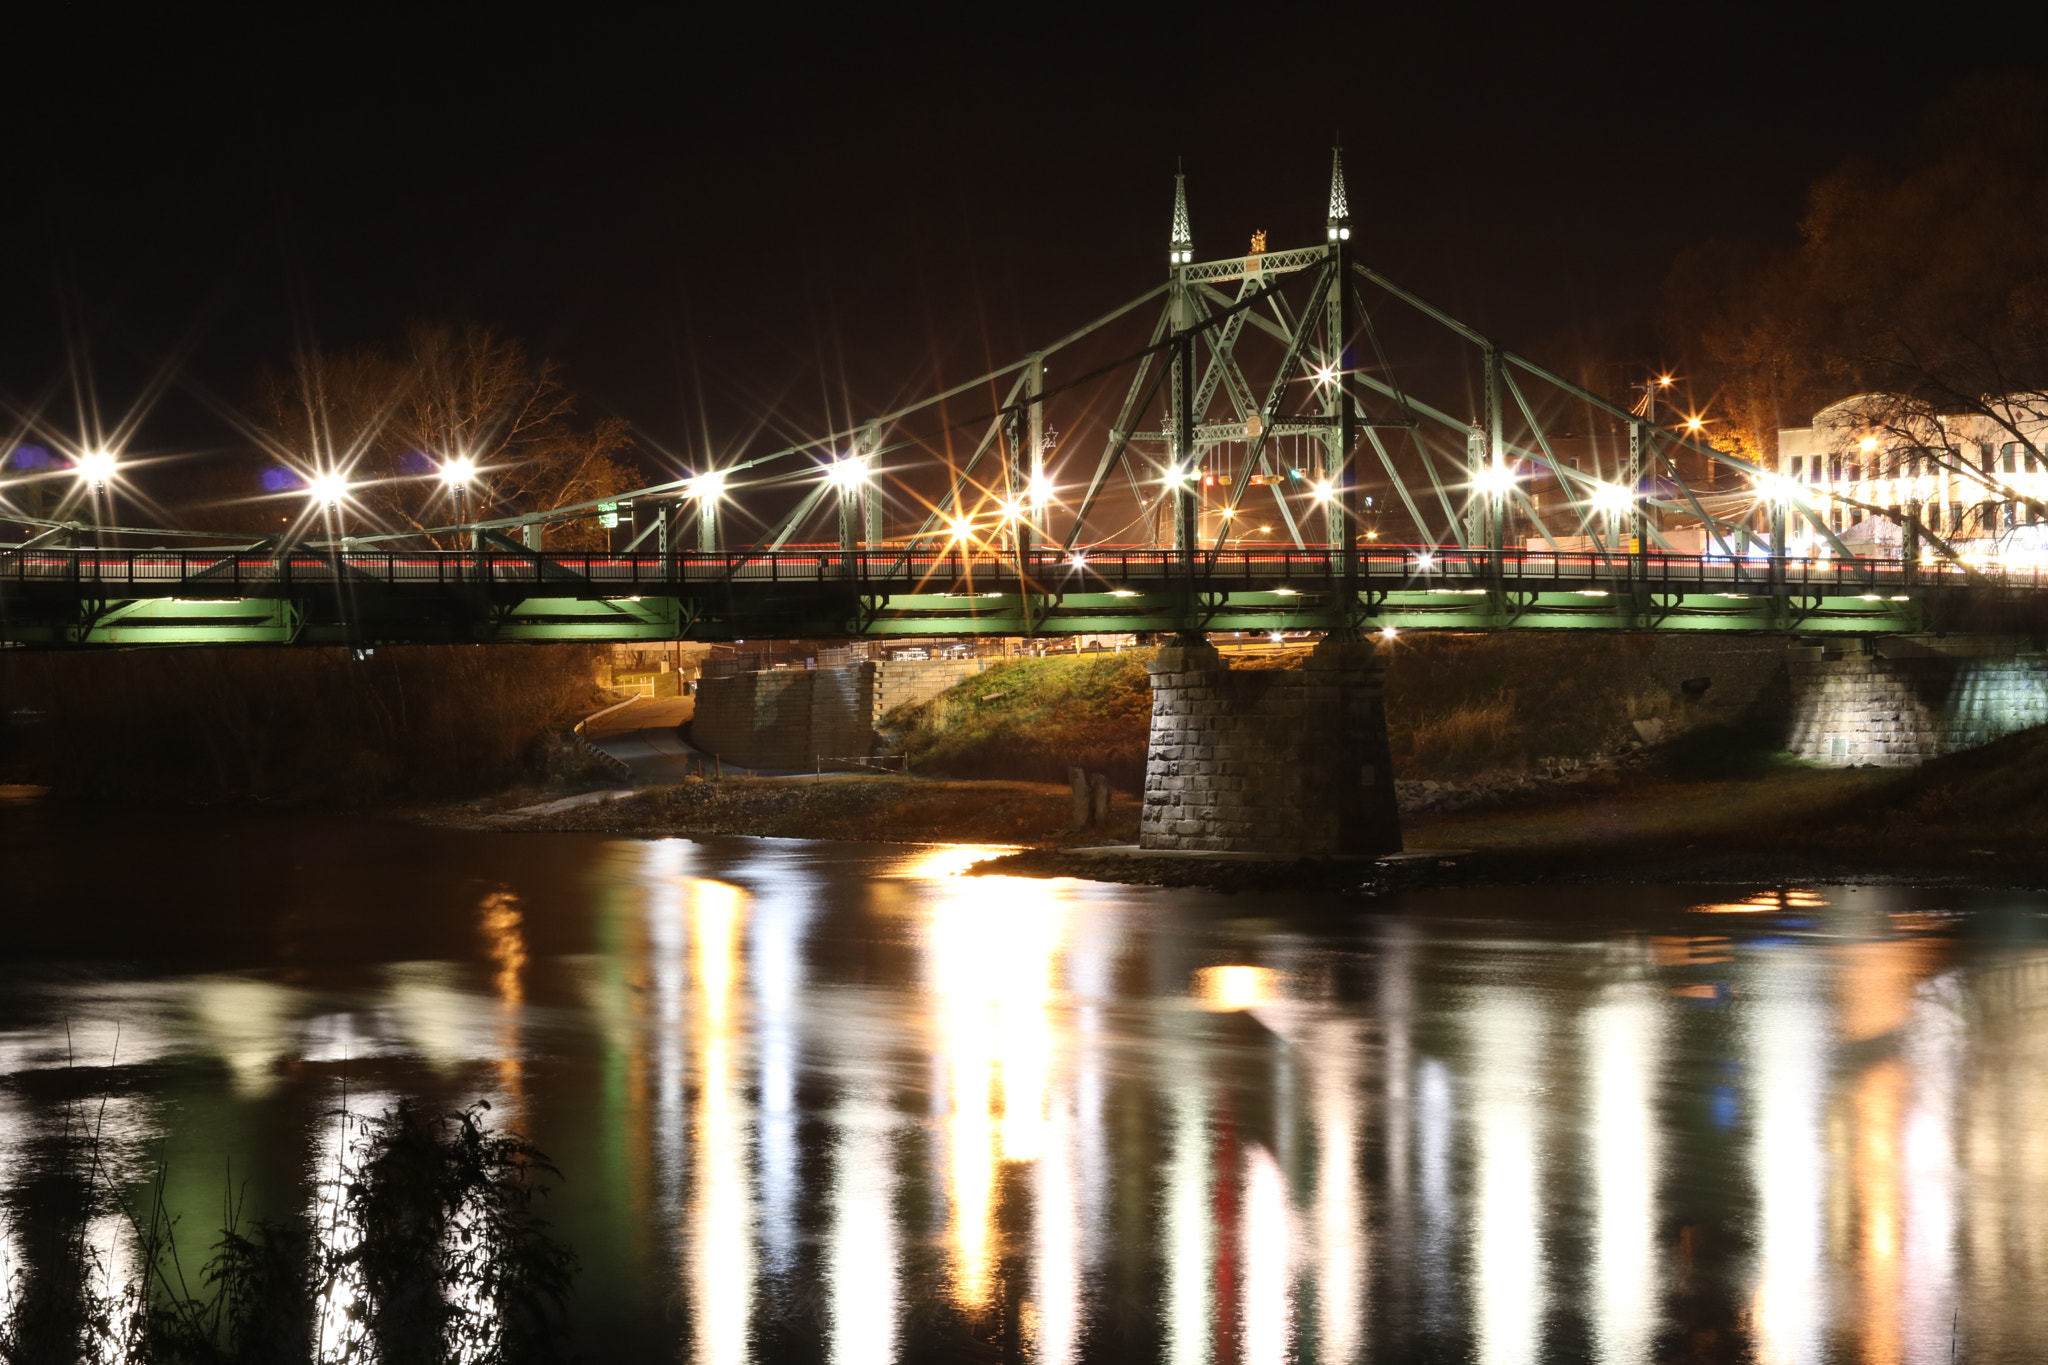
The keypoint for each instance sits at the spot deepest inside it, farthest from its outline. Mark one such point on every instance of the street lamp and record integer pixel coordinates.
(847, 474)
(97, 469)
(457, 473)
(328, 490)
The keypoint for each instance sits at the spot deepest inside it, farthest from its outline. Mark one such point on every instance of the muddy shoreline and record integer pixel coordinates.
(1612, 838)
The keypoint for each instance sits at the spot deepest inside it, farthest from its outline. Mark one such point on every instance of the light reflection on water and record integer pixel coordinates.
(821, 1102)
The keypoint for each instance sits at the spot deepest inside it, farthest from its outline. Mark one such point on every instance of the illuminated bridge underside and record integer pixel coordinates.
(139, 598)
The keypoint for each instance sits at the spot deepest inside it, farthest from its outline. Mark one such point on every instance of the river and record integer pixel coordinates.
(818, 1101)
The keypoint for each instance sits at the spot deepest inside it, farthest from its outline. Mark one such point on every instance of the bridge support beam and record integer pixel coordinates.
(1291, 763)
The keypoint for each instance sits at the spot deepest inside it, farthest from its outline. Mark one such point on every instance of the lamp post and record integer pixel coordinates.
(457, 473)
(96, 470)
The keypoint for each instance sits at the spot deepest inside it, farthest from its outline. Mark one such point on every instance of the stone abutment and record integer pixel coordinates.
(1285, 762)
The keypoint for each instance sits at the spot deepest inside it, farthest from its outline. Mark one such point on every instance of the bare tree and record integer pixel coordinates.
(1924, 291)
(389, 422)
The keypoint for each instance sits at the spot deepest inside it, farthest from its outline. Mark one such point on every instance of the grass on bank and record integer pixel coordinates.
(1031, 719)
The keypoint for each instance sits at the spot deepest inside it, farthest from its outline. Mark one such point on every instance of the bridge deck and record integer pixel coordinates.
(122, 597)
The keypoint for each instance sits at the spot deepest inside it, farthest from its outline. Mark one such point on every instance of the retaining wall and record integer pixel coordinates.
(1912, 702)
(1291, 763)
(789, 718)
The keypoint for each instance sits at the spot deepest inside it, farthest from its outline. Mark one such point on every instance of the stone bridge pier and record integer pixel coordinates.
(1283, 762)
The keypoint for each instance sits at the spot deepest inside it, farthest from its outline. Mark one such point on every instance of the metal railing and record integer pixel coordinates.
(203, 574)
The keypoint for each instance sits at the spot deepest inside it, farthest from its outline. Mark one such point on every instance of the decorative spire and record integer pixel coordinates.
(1340, 207)
(1181, 249)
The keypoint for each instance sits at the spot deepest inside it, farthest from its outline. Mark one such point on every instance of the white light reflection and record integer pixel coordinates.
(861, 1253)
(1788, 1054)
(781, 916)
(1624, 1057)
(1266, 1247)
(1335, 1061)
(1507, 1270)
(1933, 1048)
(721, 1216)
(338, 1333)
(668, 986)
(1435, 1119)
(1190, 1241)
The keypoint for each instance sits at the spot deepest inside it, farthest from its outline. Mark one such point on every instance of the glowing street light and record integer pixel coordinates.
(1041, 491)
(97, 468)
(1612, 499)
(1325, 490)
(1387, 632)
(328, 489)
(709, 484)
(847, 474)
(1496, 479)
(458, 472)
(1326, 374)
(1776, 488)
(1695, 424)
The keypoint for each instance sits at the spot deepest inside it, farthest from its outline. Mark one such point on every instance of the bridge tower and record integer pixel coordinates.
(1343, 515)
(1183, 479)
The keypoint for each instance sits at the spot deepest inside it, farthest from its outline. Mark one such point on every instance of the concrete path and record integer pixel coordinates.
(643, 735)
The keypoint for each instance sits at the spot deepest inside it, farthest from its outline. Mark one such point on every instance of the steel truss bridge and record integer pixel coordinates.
(1266, 377)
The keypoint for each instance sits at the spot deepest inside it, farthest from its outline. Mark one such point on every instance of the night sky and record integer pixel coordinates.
(716, 219)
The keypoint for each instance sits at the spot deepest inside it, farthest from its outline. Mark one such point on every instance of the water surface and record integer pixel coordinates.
(836, 1102)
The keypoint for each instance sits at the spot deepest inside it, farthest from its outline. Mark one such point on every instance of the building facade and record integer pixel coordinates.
(1964, 477)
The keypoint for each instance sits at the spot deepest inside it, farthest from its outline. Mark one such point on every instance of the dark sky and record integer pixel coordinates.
(708, 214)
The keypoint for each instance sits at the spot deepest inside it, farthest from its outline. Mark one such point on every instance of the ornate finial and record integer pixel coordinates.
(1182, 248)
(1340, 207)
(1258, 242)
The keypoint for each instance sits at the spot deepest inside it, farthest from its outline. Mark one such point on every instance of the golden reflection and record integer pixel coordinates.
(1876, 1166)
(1698, 951)
(721, 1238)
(499, 920)
(993, 944)
(1225, 989)
(947, 860)
(1877, 984)
(1766, 902)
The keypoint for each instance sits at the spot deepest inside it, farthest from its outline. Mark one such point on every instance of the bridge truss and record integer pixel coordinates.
(1268, 467)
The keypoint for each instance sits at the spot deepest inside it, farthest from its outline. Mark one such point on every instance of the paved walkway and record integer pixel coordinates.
(643, 735)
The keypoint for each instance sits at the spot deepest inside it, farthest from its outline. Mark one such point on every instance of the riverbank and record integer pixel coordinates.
(874, 808)
(1977, 818)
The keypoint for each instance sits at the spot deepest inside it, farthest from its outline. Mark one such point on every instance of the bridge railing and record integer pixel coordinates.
(1108, 569)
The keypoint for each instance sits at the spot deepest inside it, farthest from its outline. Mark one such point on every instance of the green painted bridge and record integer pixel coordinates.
(1270, 467)
(102, 598)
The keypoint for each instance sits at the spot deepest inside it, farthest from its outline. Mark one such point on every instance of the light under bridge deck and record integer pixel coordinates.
(88, 597)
